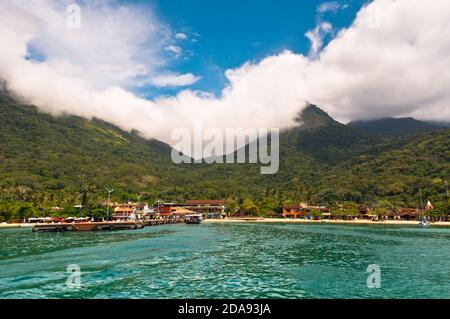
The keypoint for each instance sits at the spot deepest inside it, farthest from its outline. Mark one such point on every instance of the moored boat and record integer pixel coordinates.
(193, 219)
(424, 223)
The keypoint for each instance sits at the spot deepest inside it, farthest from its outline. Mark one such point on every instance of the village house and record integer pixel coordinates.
(125, 211)
(305, 211)
(209, 208)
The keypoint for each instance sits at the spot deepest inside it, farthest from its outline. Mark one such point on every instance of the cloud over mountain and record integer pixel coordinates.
(391, 61)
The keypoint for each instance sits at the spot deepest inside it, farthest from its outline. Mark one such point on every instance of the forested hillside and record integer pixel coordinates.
(50, 161)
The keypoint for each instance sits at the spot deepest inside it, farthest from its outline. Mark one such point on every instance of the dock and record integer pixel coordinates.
(96, 226)
(88, 226)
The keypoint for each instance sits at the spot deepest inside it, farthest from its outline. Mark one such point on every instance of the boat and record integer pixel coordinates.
(424, 223)
(193, 219)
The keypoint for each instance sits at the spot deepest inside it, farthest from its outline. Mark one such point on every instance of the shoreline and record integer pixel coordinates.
(323, 221)
(17, 225)
(285, 221)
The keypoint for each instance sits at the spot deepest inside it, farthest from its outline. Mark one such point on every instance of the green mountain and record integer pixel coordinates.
(50, 161)
(40, 152)
(323, 138)
(395, 127)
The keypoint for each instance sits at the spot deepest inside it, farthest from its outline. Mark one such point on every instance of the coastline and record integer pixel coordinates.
(17, 225)
(323, 221)
(284, 221)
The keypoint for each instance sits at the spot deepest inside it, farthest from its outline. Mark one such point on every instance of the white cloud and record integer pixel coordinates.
(175, 80)
(396, 69)
(316, 36)
(104, 51)
(331, 6)
(180, 36)
(174, 49)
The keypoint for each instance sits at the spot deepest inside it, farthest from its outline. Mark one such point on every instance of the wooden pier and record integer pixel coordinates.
(95, 226)
(88, 226)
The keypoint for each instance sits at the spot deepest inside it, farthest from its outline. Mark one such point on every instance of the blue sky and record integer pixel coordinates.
(125, 63)
(226, 34)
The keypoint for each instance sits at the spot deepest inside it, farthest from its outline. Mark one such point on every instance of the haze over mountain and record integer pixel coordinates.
(387, 60)
(395, 127)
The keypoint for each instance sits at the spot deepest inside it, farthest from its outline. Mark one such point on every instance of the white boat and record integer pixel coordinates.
(424, 223)
(193, 218)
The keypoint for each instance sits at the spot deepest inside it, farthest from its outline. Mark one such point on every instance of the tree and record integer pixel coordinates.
(384, 207)
(231, 206)
(22, 211)
(441, 210)
(315, 213)
(249, 207)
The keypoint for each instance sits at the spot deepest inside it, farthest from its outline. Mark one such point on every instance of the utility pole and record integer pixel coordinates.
(421, 202)
(138, 206)
(109, 197)
(446, 185)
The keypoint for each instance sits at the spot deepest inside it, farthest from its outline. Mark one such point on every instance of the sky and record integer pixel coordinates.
(222, 35)
(158, 65)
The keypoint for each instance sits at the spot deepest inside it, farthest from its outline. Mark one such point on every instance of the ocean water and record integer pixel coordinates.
(228, 261)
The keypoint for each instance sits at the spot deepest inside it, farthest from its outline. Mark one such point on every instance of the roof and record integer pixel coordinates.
(123, 209)
(181, 210)
(305, 208)
(205, 202)
(290, 207)
(408, 211)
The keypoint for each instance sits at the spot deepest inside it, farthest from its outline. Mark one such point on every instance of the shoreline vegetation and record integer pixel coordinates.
(322, 221)
(284, 221)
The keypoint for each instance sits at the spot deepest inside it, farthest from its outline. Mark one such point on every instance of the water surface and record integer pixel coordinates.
(228, 261)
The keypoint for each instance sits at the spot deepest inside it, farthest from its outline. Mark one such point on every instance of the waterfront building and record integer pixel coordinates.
(126, 211)
(209, 208)
(306, 212)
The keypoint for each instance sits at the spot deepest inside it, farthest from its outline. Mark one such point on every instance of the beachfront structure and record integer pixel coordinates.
(162, 210)
(126, 211)
(408, 213)
(181, 211)
(209, 208)
(305, 211)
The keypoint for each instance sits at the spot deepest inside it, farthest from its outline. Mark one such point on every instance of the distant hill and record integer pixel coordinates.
(440, 124)
(395, 127)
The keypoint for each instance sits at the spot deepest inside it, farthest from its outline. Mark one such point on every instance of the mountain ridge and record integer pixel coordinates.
(394, 127)
(53, 161)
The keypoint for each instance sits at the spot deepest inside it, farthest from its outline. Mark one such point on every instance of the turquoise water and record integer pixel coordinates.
(228, 261)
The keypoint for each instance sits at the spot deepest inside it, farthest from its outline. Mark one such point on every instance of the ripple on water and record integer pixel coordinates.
(228, 261)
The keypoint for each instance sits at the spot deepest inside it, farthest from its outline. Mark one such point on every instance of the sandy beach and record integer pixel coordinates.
(15, 225)
(285, 220)
(324, 221)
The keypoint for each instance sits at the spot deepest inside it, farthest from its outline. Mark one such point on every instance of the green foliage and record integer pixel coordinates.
(66, 161)
(347, 208)
(231, 206)
(384, 207)
(315, 213)
(249, 207)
